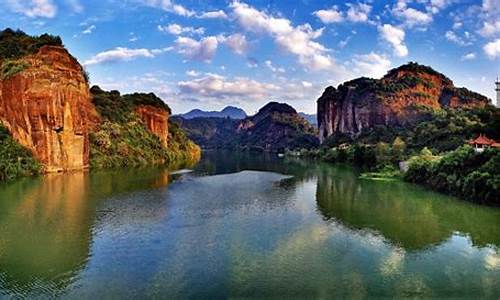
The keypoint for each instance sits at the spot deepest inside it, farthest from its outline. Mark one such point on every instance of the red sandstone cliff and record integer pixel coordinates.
(393, 100)
(156, 120)
(47, 108)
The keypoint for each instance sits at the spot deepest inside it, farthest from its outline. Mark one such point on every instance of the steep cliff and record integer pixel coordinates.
(136, 131)
(275, 127)
(45, 104)
(394, 100)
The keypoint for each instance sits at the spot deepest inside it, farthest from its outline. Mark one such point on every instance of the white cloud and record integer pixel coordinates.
(327, 16)
(297, 40)
(118, 54)
(216, 86)
(306, 84)
(219, 14)
(410, 16)
(358, 12)
(169, 6)
(490, 28)
(274, 69)
(492, 49)
(34, 8)
(89, 29)
(453, 37)
(203, 50)
(192, 73)
(237, 42)
(177, 29)
(469, 56)
(75, 6)
(395, 36)
(371, 65)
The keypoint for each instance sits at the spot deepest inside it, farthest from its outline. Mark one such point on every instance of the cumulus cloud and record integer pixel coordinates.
(453, 37)
(469, 56)
(395, 36)
(216, 86)
(236, 42)
(492, 49)
(219, 14)
(327, 16)
(298, 40)
(192, 73)
(490, 28)
(274, 69)
(410, 16)
(118, 54)
(358, 12)
(169, 6)
(34, 8)
(371, 65)
(177, 29)
(202, 50)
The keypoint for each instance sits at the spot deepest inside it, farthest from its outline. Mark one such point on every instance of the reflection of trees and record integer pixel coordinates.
(405, 214)
(46, 224)
(44, 231)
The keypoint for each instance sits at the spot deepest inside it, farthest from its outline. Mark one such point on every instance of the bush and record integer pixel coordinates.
(16, 160)
(463, 173)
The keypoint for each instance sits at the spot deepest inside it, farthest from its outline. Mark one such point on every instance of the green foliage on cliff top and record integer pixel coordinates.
(9, 68)
(16, 161)
(123, 140)
(15, 43)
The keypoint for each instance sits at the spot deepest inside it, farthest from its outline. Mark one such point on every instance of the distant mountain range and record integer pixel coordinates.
(230, 112)
(275, 127)
(311, 118)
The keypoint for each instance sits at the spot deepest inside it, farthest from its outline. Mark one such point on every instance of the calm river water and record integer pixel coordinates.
(242, 226)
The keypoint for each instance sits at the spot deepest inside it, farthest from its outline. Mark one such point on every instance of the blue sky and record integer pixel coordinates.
(209, 54)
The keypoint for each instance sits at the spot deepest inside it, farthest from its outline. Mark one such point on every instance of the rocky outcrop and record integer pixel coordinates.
(396, 99)
(156, 121)
(47, 108)
(275, 127)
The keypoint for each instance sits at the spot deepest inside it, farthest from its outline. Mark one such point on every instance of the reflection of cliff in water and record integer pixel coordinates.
(46, 224)
(405, 214)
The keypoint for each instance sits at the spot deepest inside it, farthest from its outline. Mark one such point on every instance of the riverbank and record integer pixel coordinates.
(463, 173)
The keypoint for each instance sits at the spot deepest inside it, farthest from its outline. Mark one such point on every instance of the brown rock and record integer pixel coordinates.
(393, 100)
(47, 108)
(156, 121)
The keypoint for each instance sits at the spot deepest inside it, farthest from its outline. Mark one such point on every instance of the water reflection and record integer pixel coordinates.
(47, 224)
(409, 216)
(242, 225)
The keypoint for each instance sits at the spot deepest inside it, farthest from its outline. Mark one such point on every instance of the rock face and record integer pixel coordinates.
(156, 120)
(47, 109)
(395, 99)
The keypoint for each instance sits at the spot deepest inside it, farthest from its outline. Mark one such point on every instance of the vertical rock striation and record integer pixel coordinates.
(395, 99)
(47, 109)
(156, 121)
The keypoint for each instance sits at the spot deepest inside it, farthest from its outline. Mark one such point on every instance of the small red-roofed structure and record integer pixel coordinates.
(482, 142)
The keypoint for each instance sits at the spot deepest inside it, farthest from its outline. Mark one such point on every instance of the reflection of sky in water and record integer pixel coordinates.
(320, 233)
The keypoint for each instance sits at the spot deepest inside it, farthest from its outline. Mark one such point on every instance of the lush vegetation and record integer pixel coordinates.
(274, 128)
(16, 160)
(123, 140)
(463, 172)
(15, 44)
(440, 131)
(9, 68)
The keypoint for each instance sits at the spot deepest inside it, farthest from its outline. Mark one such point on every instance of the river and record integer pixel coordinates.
(242, 225)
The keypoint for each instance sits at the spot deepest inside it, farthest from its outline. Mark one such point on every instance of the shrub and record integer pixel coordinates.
(16, 160)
